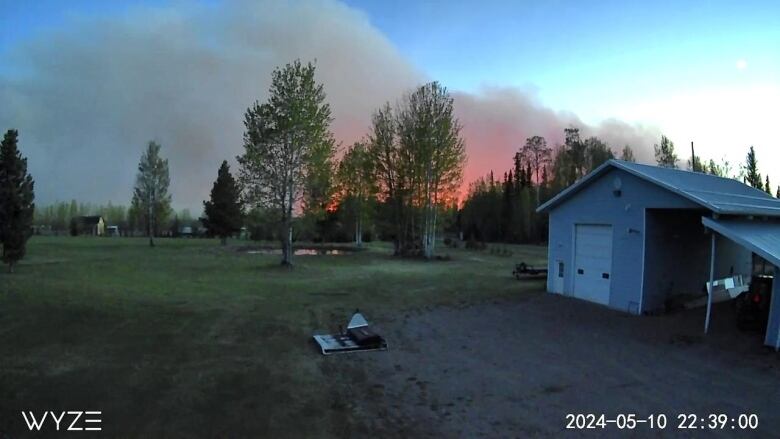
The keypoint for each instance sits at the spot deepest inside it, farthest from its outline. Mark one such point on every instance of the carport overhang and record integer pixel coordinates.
(761, 237)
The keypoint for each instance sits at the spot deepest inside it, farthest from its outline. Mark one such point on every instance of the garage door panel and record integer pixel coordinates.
(593, 262)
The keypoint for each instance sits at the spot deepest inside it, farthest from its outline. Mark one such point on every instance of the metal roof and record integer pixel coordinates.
(760, 236)
(720, 195)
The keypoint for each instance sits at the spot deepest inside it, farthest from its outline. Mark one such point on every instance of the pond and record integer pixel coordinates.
(302, 251)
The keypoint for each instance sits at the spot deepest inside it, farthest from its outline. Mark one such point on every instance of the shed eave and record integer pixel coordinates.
(744, 239)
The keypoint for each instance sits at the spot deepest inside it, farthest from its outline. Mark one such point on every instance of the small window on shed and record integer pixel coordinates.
(560, 269)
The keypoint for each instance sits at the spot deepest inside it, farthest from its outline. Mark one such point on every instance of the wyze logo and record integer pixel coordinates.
(63, 421)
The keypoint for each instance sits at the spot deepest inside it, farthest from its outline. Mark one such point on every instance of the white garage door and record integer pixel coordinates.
(592, 262)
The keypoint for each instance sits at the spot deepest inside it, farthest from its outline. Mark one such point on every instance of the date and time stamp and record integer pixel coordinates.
(662, 421)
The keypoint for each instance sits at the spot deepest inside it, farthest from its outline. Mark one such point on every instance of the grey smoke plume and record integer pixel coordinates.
(88, 96)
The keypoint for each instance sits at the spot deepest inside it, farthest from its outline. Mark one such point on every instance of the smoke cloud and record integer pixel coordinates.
(497, 121)
(88, 96)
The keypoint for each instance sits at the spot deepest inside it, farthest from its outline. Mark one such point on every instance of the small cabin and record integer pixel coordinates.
(91, 225)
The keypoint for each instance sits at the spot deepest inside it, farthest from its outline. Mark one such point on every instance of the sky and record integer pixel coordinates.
(88, 82)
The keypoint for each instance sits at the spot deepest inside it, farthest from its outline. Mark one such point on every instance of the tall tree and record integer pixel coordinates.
(664, 153)
(286, 140)
(596, 153)
(752, 176)
(390, 171)
(537, 154)
(16, 200)
(429, 133)
(151, 201)
(767, 186)
(576, 151)
(627, 154)
(223, 212)
(357, 184)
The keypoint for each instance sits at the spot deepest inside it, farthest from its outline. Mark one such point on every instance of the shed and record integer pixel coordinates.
(633, 237)
(92, 225)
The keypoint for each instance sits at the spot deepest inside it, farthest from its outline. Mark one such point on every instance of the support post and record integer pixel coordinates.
(712, 281)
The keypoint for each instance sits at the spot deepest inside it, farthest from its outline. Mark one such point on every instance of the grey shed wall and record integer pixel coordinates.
(596, 204)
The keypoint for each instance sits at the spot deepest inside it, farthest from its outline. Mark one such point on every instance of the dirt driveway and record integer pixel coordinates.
(516, 368)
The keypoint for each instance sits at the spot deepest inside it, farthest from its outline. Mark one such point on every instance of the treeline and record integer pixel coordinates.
(503, 209)
(58, 218)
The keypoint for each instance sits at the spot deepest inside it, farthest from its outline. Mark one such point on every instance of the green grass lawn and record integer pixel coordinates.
(194, 339)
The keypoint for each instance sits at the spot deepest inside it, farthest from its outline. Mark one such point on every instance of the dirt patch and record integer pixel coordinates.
(516, 368)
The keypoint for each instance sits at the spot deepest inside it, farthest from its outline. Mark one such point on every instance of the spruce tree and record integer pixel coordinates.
(16, 200)
(752, 176)
(223, 212)
(664, 153)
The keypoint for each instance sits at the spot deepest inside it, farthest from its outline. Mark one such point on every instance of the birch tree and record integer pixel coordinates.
(429, 137)
(357, 184)
(286, 140)
(151, 200)
(385, 153)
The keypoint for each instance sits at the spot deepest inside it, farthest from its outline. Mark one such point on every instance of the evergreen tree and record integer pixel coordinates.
(697, 165)
(777, 194)
(223, 212)
(767, 186)
(151, 201)
(519, 174)
(16, 200)
(175, 227)
(752, 176)
(576, 154)
(664, 153)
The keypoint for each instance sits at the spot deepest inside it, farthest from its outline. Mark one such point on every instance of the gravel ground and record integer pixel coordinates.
(516, 368)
